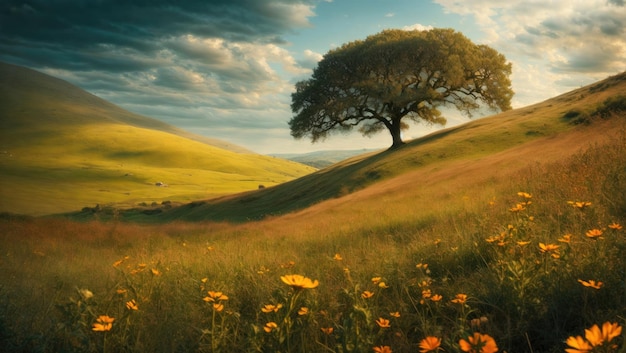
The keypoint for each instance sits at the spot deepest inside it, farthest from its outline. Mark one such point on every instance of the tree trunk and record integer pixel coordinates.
(396, 134)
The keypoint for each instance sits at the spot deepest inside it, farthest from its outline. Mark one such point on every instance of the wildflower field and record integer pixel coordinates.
(530, 261)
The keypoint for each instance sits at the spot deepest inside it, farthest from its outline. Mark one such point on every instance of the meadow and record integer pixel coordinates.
(523, 259)
(504, 234)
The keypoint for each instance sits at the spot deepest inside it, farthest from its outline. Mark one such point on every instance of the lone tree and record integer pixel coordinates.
(378, 82)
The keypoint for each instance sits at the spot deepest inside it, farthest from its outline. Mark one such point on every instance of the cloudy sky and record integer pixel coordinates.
(226, 68)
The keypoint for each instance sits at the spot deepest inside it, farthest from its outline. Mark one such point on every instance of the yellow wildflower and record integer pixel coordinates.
(299, 282)
(376, 280)
(478, 343)
(132, 305)
(430, 344)
(594, 233)
(337, 257)
(518, 207)
(383, 285)
(523, 243)
(591, 283)
(103, 323)
(548, 247)
(567, 238)
(155, 272)
(270, 326)
(581, 205)
(525, 195)
(425, 283)
(268, 308)
(303, 311)
(213, 296)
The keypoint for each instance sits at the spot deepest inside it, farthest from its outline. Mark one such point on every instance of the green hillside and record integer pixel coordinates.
(509, 229)
(63, 149)
(563, 119)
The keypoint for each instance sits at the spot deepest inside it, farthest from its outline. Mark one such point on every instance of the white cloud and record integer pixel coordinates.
(417, 27)
(552, 44)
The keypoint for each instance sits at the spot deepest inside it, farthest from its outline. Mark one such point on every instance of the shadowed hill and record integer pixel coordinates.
(512, 140)
(62, 148)
(32, 101)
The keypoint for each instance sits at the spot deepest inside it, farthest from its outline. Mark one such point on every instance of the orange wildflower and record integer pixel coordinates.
(577, 345)
(327, 330)
(270, 326)
(460, 298)
(103, 323)
(132, 305)
(383, 323)
(591, 283)
(567, 238)
(544, 248)
(367, 294)
(430, 344)
(268, 308)
(478, 343)
(594, 233)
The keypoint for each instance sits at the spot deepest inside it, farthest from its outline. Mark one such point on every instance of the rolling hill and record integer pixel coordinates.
(472, 155)
(62, 149)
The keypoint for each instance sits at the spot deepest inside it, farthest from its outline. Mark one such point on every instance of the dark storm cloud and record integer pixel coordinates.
(92, 28)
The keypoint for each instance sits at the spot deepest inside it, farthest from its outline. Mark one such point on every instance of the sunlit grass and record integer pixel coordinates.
(116, 164)
(448, 269)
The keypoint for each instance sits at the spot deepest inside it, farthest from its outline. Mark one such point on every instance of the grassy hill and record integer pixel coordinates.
(62, 148)
(508, 142)
(509, 229)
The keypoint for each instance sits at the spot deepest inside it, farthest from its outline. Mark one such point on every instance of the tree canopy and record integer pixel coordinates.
(376, 83)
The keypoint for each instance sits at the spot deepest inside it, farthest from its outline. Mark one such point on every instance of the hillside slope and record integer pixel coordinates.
(62, 148)
(491, 147)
